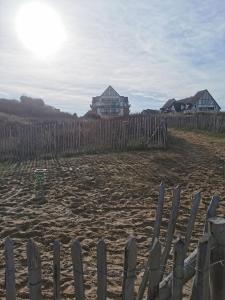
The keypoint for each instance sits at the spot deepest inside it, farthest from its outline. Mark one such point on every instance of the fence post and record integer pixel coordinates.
(217, 268)
(9, 271)
(56, 270)
(159, 212)
(178, 270)
(191, 222)
(211, 211)
(101, 271)
(154, 270)
(171, 228)
(129, 273)
(156, 231)
(200, 289)
(78, 270)
(34, 270)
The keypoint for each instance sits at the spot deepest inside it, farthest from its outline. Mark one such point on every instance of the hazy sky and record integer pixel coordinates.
(148, 50)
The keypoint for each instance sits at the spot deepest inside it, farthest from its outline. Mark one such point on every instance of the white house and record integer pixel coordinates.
(110, 104)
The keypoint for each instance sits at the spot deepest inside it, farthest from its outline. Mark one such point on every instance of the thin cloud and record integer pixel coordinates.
(148, 50)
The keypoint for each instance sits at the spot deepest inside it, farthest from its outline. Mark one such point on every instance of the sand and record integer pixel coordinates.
(110, 196)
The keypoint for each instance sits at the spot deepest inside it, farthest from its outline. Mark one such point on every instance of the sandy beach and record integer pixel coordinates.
(105, 196)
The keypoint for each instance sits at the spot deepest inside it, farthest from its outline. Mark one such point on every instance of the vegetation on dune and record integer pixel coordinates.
(29, 109)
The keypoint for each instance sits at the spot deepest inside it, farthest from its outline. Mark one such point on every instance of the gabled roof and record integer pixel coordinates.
(193, 99)
(110, 92)
(168, 104)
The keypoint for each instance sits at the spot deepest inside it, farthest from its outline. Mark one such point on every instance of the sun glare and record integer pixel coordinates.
(40, 28)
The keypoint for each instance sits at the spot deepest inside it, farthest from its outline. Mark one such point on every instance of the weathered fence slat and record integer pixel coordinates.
(211, 212)
(101, 271)
(171, 228)
(154, 270)
(178, 270)
(193, 214)
(200, 289)
(34, 270)
(156, 231)
(159, 212)
(39, 140)
(214, 122)
(78, 270)
(208, 260)
(56, 270)
(129, 273)
(9, 271)
(217, 259)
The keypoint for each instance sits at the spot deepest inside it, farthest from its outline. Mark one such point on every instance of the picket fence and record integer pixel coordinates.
(214, 122)
(81, 136)
(204, 266)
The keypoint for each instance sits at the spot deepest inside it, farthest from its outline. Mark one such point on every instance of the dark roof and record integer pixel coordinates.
(149, 111)
(193, 99)
(91, 115)
(168, 104)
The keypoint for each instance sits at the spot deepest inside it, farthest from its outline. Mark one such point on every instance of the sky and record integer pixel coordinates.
(148, 50)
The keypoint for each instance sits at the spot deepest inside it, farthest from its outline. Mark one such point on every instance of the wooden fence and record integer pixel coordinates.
(205, 266)
(211, 122)
(81, 136)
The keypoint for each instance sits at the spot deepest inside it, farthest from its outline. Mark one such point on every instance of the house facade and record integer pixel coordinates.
(202, 101)
(110, 104)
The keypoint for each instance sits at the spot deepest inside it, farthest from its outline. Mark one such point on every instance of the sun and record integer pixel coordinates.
(40, 28)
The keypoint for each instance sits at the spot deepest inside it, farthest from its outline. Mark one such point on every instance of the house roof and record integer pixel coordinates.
(168, 104)
(91, 115)
(192, 99)
(110, 92)
(189, 100)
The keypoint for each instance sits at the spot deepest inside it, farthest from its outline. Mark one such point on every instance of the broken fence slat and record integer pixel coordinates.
(9, 271)
(101, 271)
(129, 273)
(34, 270)
(78, 270)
